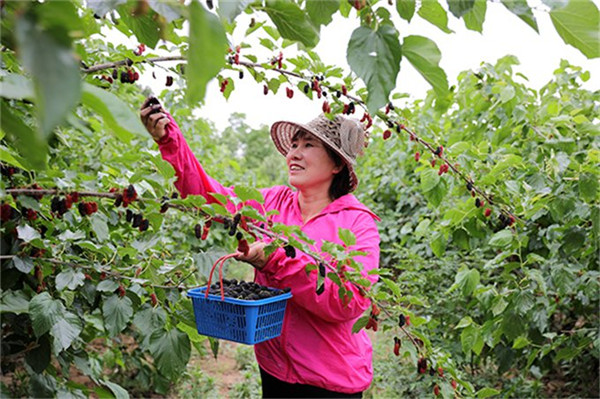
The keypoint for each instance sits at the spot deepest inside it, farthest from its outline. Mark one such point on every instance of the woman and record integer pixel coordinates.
(317, 355)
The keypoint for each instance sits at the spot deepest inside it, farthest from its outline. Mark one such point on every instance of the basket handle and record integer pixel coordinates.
(221, 260)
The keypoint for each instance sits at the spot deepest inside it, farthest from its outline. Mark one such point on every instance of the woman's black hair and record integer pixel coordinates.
(340, 184)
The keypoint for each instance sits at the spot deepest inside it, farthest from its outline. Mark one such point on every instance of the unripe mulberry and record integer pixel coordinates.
(153, 299)
(121, 290)
(436, 390)
(487, 212)
(397, 344)
(387, 134)
(243, 247)
(417, 156)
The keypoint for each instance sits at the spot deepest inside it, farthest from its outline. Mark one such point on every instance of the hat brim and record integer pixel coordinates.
(283, 132)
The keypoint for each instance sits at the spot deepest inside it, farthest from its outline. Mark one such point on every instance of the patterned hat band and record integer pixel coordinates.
(345, 136)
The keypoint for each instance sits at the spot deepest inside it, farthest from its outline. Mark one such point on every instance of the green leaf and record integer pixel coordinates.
(588, 187)
(433, 12)
(458, 8)
(347, 237)
(487, 392)
(393, 287)
(70, 278)
(54, 70)
(171, 351)
(501, 239)
(99, 226)
(475, 17)
(44, 312)
(293, 23)
(27, 233)
(101, 7)
(577, 24)
(172, 10)
(520, 342)
(117, 390)
(17, 87)
(375, 57)
(438, 244)
(150, 319)
(117, 312)
(206, 53)
(469, 337)
(230, 9)
(66, 329)
(425, 56)
(14, 302)
(522, 10)
(145, 27)
(29, 143)
(118, 116)
(406, 9)
(246, 193)
(321, 11)
(24, 265)
(360, 324)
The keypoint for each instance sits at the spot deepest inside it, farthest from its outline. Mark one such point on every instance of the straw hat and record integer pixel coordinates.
(344, 136)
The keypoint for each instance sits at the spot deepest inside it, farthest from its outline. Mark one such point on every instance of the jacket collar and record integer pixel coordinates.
(345, 202)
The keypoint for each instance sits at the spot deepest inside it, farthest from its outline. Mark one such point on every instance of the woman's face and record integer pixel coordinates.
(309, 164)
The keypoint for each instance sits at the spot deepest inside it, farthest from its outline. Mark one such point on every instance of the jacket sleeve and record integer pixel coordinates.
(290, 272)
(191, 177)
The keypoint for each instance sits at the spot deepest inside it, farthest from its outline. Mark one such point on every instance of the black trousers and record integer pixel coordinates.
(275, 388)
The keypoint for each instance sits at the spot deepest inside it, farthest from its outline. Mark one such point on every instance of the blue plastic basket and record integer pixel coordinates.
(238, 320)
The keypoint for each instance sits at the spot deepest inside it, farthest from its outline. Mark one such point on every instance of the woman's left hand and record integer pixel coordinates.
(256, 255)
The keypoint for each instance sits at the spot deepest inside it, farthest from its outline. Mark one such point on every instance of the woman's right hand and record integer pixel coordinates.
(154, 118)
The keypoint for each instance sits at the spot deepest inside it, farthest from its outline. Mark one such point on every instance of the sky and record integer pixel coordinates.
(503, 33)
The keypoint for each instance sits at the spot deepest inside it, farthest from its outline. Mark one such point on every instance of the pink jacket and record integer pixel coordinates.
(316, 346)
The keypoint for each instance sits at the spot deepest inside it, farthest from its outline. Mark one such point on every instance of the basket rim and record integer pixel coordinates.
(198, 293)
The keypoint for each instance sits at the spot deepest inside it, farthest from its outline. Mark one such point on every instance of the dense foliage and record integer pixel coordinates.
(91, 303)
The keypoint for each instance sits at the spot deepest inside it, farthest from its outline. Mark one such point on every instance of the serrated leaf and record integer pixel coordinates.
(230, 9)
(145, 26)
(99, 226)
(321, 11)
(577, 24)
(487, 392)
(589, 186)
(501, 239)
(208, 46)
(433, 12)
(118, 116)
(375, 57)
(70, 278)
(292, 22)
(65, 331)
(171, 351)
(360, 324)
(459, 8)
(117, 312)
(101, 7)
(53, 68)
(520, 342)
(27, 233)
(521, 10)
(14, 302)
(44, 312)
(24, 265)
(393, 287)
(475, 17)
(116, 389)
(347, 237)
(406, 8)
(246, 193)
(107, 286)
(425, 56)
